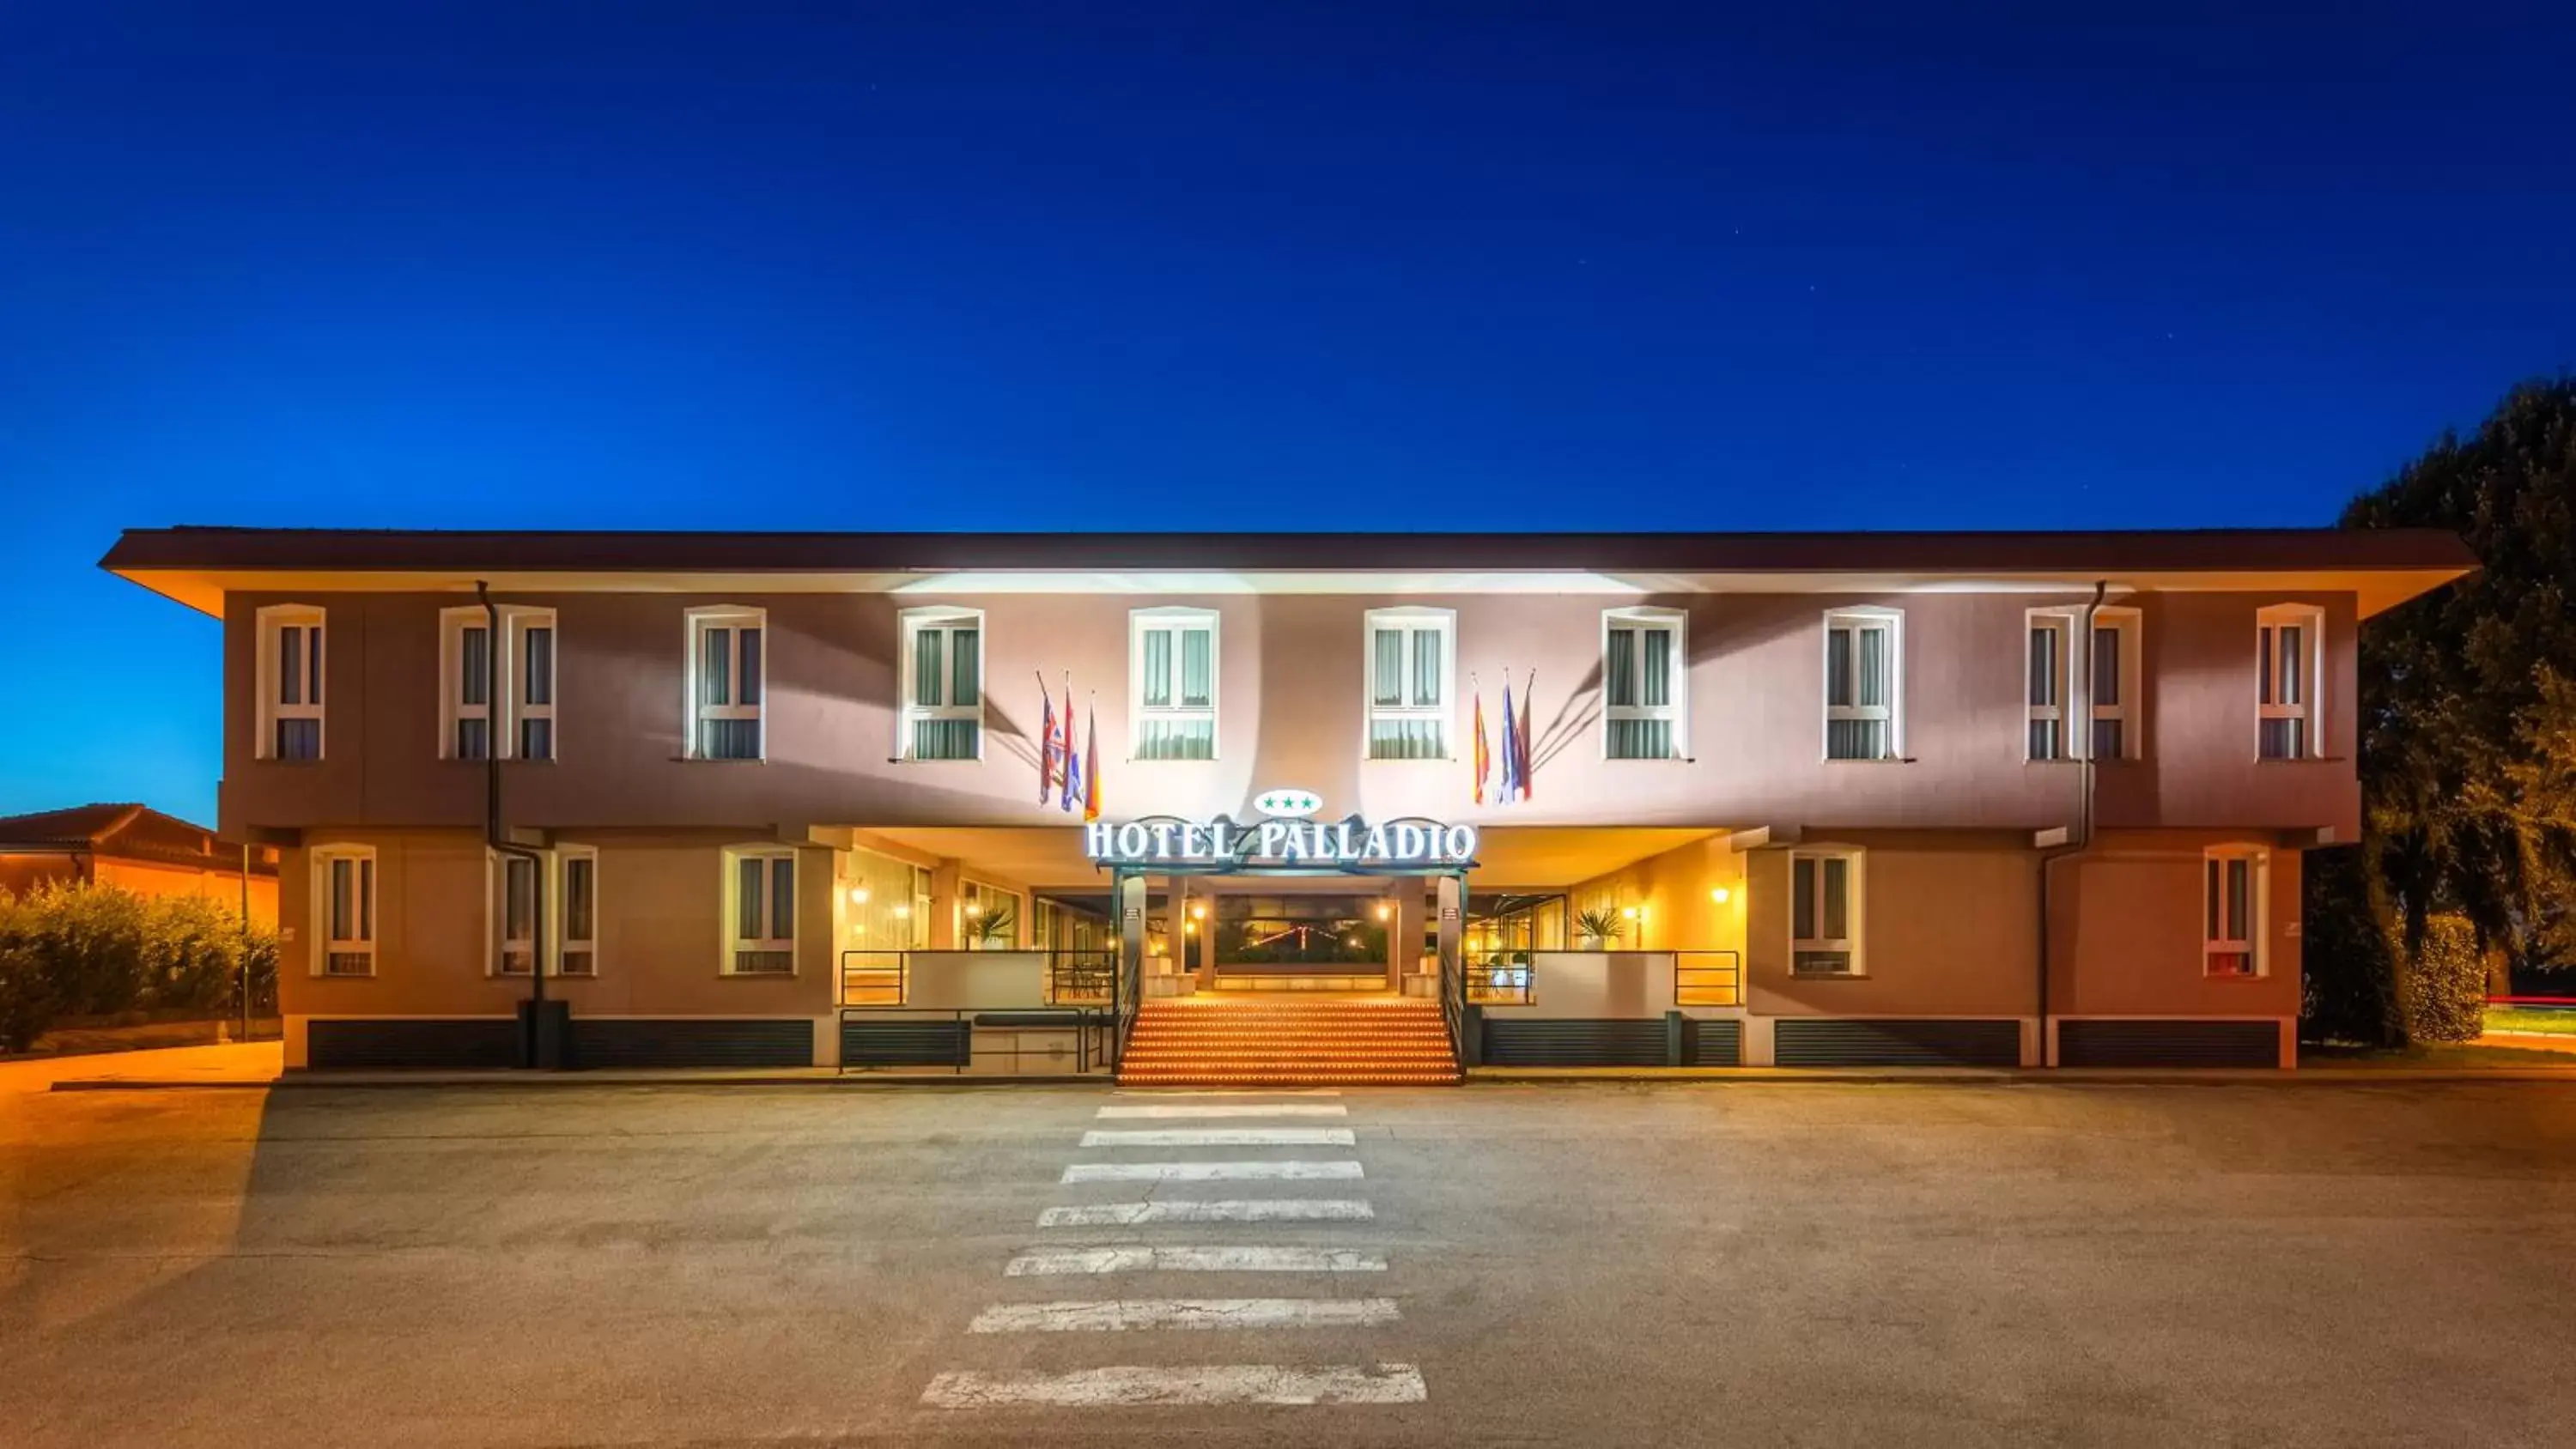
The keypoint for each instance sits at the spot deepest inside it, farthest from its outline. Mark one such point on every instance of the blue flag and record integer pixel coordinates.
(1511, 748)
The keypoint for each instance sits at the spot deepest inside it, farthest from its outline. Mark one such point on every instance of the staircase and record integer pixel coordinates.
(1270, 1042)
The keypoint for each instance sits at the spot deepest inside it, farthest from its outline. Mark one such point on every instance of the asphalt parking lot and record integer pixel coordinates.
(1547, 1264)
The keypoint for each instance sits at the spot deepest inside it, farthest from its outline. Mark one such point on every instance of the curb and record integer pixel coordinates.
(2026, 1076)
(313, 1081)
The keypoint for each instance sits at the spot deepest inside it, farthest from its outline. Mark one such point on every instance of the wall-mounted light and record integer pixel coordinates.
(900, 912)
(858, 895)
(1384, 910)
(1189, 928)
(1719, 895)
(1198, 913)
(974, 908)
(1630, 912)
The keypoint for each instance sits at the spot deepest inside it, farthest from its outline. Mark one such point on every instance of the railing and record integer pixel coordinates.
(1126, 994)
(1708, 978)
(1090, 1027)
(874, 978)
(1499, 979)
(1453, 1007)
(1086, 978)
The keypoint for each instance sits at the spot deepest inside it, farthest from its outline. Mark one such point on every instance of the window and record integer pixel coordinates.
(1172, 665)
(2233, 887)
(290, 683)
(943, 685)
(515, 885)
(2048, 686)
(920, 915)
(760, 889)
(344, 910)
(1642, 688)
(1863, 685)
(2288, 639)
(2058, 691)
(1411, 660)
(1824, 929)
(726, 683)
(577, 910)
(988, 917)
(526, 709)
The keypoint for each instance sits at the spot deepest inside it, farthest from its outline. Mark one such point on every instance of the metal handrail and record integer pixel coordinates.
(1087, 977)
(879, 985)
(1503, 978)
(1087, 1022)
(1126, 994)
(1708, 978)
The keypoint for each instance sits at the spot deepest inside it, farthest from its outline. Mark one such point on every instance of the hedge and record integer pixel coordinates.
(2443, 991)
(77, 949)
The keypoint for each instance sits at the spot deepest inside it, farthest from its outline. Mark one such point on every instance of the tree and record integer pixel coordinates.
(2468, 695)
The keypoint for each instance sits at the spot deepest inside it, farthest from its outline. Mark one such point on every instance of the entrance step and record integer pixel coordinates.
(1269, 1042)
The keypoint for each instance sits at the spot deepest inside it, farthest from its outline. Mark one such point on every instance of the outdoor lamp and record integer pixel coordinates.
(1718, 895)
(1198, 913)
(858, 895)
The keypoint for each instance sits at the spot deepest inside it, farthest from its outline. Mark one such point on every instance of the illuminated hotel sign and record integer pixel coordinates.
(1350, 843)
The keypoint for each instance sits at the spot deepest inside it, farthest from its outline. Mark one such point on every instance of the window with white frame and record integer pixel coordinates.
(1864, 683)
(577, 910)
(988, 917)
(290, 683)
(919, 916)
(515, 913)
(2233, 888)
(760, 906)
(2115, 681)
(2049, 686)
(727, 664)
(1412, 661)
(1171, 666)
(522, 718)
(2289, 641)
(1642, 685)
(344, 910)
(1824, 911)
(943, 685)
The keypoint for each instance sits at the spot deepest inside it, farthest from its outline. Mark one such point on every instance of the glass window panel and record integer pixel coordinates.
(1838, 657)
(1197, 679)
(312, 664)
(1158, 667)
(2210, 891)
(929, 670)
(966, 653)
(2106, 665)
(473, 739)
(343, 885)
(580, 887)
(1658, 691)
(1802, 891)
(782, 898)
(1837, 874)
(749, 692)
(2240, 899)
(536, 739)
(474, 666)
(1387, 676)
(1426, 667)
(1872, 683)
(747, 899)
(715, 667)
(1619, 667)
(366, 898)
(519, 881)
(540, 682)
(2263, 668)
(2293, 666)
(290, 665)
(2043, 664)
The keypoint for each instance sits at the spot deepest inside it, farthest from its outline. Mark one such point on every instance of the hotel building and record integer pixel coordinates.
(793, 800)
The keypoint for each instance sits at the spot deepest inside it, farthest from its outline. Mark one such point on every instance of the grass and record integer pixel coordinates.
(2450, 1055)
(2546, 1021)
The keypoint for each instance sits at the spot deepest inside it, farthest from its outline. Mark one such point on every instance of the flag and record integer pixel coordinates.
(1484, 762)
(1046, 742)
(1072, 766)
(1090, 765)
(1526, 699)
(1511, 748)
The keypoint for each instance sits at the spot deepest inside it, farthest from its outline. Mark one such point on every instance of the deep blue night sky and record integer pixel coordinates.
(1222, 266)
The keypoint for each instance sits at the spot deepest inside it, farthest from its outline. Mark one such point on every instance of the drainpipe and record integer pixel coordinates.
(539, 1046)
(2083, 838)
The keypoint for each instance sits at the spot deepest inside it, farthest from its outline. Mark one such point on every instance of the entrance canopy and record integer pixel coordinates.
(1508, 858)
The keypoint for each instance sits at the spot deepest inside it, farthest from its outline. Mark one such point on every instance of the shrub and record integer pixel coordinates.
(89, 943)
(2348, 976)
(2444, 988)
(101, 950)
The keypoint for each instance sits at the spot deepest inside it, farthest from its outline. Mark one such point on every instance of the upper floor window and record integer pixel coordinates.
(2049, 687)
(760, 901)
(290, 683)
(943, 684)
(1412, 661)
(1642, 690)
(2115, 681)
(577, 910)
(2289, 639)
(523, 714)
(1172, 665)
(727, 677)
(1824, 911)
(2059, 695)
(2232, 891)
(344, 910)
(1864, 683)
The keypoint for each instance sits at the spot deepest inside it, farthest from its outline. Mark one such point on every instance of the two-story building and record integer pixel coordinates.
(2005, 798)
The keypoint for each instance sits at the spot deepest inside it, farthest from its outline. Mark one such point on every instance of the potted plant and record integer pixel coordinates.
(1598, 928)
(992, 929)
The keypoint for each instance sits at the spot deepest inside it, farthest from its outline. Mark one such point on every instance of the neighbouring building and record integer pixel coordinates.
(140, 849)
(1999, 798)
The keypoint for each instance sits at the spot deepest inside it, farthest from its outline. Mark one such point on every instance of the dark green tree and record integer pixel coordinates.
(2468, 713)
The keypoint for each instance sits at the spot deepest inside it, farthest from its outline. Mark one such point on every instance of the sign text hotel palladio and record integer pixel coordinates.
(1352, 842)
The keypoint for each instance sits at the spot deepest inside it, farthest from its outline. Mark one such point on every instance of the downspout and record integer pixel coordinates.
(2083, 838)
(493, 835)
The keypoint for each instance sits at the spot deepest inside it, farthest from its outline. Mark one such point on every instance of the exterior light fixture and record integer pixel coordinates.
(858, 895)
(1189, 928)
(1198, 913)
(1718, 895)
(1384, 910)
(902, 911)
(1629, 912)
(974, 908)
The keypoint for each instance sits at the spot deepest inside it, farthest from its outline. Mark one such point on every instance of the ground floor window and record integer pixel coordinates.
(1824, 913)
(344, 878)
(988, 917)
(760, 886)
(2232, 890)
(577, 949)
(515, 885)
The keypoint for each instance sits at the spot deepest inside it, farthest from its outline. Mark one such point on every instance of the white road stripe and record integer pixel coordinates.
(1224, 1210)
(1248, 1109)
(1221, 1137)
(1211, 1171)
(1385, 1383)
(1145, 1258)
(1120, 1315)
(1167, 1094)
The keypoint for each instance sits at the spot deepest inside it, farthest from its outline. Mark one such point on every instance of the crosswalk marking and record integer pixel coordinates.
(1120, 1315)
(1221, 1210)
(1211, 1171)
(1219, 1137)
(1242, 1109)
(1385, 1383)
(1147, 1258)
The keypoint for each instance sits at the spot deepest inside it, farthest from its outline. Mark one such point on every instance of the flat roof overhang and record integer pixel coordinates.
(1508, 857)
(198, 566)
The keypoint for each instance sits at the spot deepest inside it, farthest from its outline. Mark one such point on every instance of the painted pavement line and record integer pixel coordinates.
(1149, 1258)
(1211, 1172)
(1166, 1093)
(1217, 1210)
(1222, 1109)
(1221, 1137)
(1132, 1386)
(1123, 1315)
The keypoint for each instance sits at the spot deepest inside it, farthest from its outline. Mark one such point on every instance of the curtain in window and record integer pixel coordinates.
(1175, 739)
(748, 899)
(299, 739)
(747, 690)
(540, 685)
(1658, 683)
(2106, 666)
(1426, 667)
(1802, 891)
(580, 902)
(1198, 682)
(782, 897)
(966, 659)
(1641, 739)
(1158, 667)
(1838, 662)
(2293, 686)
(2043, 666)
(1837, 899)
(1619, 668)
(1872, 683)
(1387, 672)
(1406, 739)
(929, 673)
(946, 739)
(474, 666)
